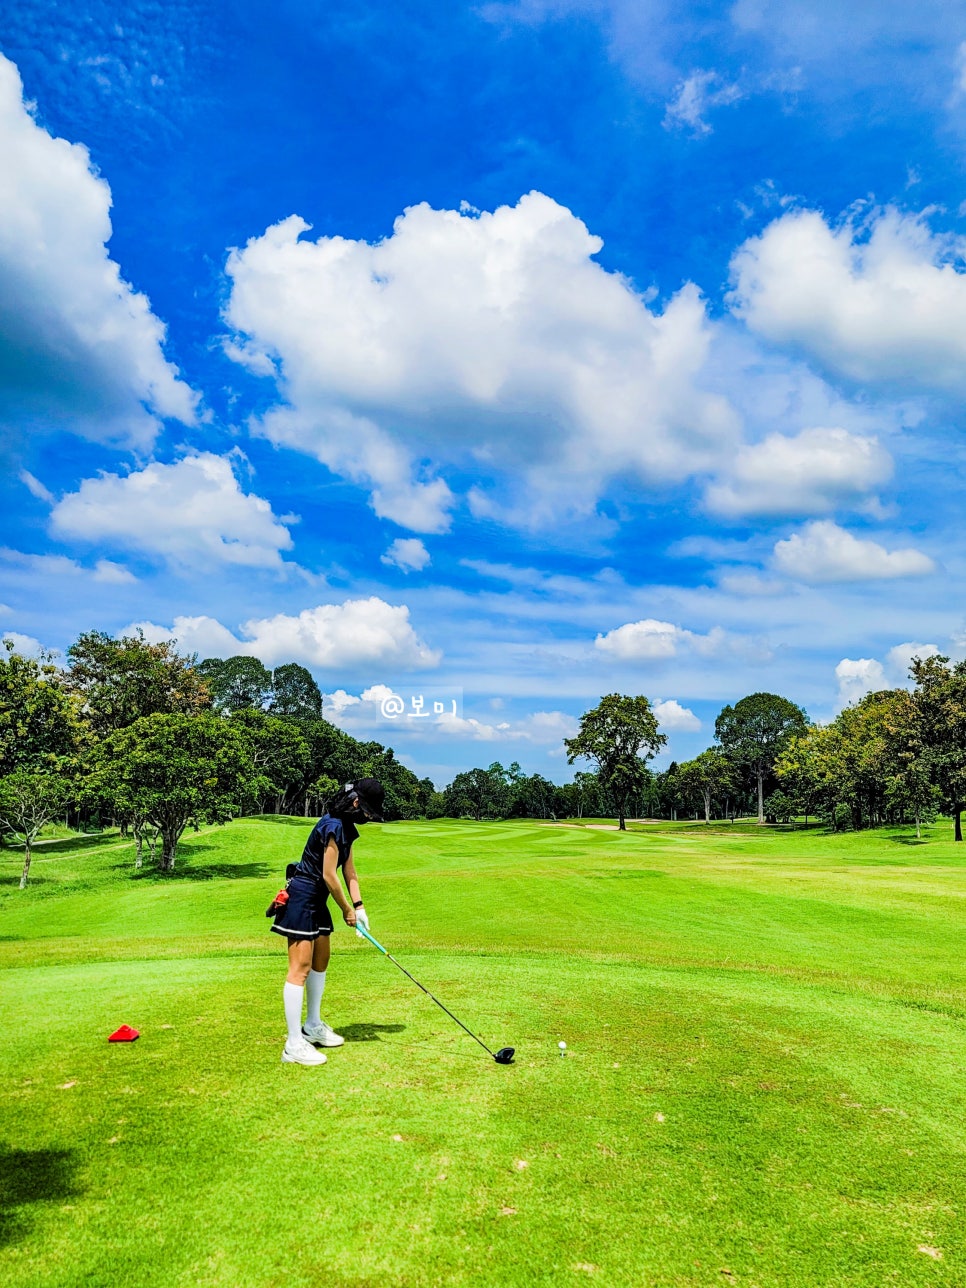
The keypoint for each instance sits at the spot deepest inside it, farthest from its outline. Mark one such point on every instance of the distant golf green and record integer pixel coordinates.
(764, 1082)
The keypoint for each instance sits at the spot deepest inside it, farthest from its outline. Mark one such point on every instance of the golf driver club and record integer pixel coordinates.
(503, 1056)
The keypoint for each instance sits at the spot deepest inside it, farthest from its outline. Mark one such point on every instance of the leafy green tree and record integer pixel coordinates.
(877, 736)
(331, 754)
(780, 807)
(436, 805)
(324, 789)
(582, 796)
(755, 731)
(116, 681)
(532, 796)
(940, 707)
(708, 777)
(295, 694)
(911, 790)
(236, 683)
(619, 735)
(797, 770)
(175, 771)
(852, 771)
(405, 795)
(38, 720)
(29, 800)
(480, 792)
(279, 755)
(668, 791)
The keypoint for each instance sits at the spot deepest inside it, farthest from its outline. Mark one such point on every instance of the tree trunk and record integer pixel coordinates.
(169, 848)
(918, 828)
(26, 865)
(139, 838)
(621, 826)
(761, 798)
(707, 807)
(958, 827)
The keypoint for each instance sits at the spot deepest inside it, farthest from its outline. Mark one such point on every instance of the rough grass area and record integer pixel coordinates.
(764, 1082)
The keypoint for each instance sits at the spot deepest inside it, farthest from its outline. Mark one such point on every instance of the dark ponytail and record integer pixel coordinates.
(341, 802)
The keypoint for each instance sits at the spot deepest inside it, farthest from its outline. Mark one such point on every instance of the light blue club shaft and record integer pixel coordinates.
(361, 930)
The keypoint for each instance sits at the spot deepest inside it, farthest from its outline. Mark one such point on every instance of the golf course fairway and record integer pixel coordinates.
(764, 1082)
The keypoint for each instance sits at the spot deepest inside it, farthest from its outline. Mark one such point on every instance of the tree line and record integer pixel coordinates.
(897, 756)
(134, 732)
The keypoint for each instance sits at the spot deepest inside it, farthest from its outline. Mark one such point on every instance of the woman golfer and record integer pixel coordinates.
(306, 922)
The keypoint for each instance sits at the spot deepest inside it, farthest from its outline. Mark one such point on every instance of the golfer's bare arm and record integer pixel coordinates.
(351, 880)
(330, 874)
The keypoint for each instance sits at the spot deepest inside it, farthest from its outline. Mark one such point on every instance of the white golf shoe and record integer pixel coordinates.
(322, 1035)
(302, 1052)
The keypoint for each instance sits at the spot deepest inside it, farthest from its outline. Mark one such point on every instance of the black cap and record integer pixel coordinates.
(372, 796)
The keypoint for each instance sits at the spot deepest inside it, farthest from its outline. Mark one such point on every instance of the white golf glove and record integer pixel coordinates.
(362, 918)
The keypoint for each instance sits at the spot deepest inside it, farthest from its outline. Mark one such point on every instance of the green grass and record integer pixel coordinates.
(765, 1081)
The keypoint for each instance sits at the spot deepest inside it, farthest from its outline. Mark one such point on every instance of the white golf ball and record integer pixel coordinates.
(562, 1045)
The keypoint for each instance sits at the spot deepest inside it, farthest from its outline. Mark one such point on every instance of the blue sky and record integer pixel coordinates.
(509, 353)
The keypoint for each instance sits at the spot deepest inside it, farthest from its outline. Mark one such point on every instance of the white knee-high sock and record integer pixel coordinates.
(314, 988)
(292, 1001)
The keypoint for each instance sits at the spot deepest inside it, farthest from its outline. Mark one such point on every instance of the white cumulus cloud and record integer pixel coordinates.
(824, 552)
(357, 633)
(114, 574)
(80, 349)
(493, 341)
(861, 675)
(812, 472)
(899, 658)
(24, 645)
(407, 553)
(651, 640)
(672, 716)
(883, 302)
(858, 676)
(190, 513)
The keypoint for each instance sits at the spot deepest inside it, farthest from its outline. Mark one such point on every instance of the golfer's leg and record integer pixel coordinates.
(321, 952)
(299, 964)
(315, 982)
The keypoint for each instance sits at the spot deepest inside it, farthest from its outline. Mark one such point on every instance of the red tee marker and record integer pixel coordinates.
(124, 1034)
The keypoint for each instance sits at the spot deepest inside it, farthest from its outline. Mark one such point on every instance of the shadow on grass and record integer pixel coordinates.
(14, 880)
(283, 820)
(82, 841)
(368, 1032)
(32, 1176)
(216, 872)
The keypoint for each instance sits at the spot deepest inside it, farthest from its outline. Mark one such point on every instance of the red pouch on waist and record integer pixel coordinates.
(280, 900)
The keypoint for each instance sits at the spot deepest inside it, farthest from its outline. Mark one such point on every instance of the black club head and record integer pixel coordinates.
(504, 1055)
